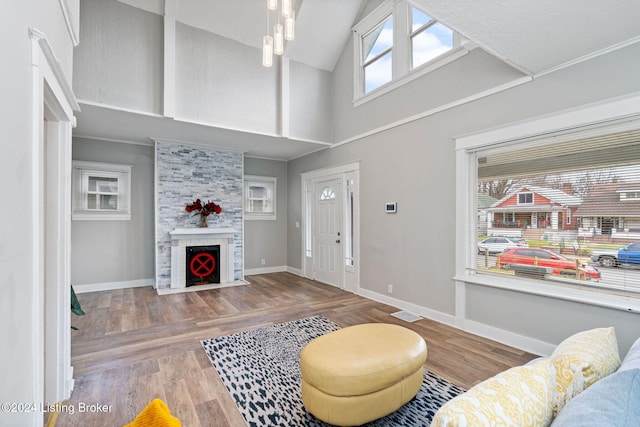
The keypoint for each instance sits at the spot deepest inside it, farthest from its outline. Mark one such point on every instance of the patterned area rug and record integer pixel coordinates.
(260, 368)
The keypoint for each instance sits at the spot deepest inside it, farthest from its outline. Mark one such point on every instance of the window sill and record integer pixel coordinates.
(254, 217)
(94, 216)
(600, 298)
(422, 70)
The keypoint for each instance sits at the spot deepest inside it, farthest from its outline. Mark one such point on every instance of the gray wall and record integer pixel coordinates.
(223, 82)
(116, 251)
(475, 72)
(311, 101)
(414, 165)
(218, 81)
(264, 239)
(120, 59)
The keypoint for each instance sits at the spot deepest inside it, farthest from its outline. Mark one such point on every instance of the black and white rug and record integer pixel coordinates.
(260, 368)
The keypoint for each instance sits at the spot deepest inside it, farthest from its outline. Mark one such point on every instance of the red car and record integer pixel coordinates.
(551, 261)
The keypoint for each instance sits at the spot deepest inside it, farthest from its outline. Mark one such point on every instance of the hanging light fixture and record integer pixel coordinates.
(286, 8)
(278, 39)
(267, 51)
(275, 44)
(290, 26)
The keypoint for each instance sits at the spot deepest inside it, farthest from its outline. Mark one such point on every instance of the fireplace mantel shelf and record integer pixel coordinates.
(181, 233)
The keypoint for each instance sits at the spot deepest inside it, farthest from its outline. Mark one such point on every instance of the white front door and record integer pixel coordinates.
(328, 265)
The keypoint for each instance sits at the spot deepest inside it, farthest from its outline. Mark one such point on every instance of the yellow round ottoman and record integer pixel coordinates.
(361, 373)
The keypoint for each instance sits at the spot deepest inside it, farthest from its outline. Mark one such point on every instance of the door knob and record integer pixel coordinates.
(338, 241)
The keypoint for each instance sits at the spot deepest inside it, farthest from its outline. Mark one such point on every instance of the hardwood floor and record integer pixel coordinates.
(133, 346)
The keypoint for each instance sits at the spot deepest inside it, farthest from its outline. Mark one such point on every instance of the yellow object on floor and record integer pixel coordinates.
(156, 414)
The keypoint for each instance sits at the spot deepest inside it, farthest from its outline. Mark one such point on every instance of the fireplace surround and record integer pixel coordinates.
(183, 238)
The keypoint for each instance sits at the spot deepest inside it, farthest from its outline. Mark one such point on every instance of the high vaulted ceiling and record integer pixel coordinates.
(537, 36)
(534, 36)
(322, 26)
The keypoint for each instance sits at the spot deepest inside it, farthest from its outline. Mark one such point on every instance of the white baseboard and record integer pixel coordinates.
(528, 344)
(511, 339)
(264, 270)
(438, 316)
(109, 286)
(70, 382)
(277, 269)
(296, 271)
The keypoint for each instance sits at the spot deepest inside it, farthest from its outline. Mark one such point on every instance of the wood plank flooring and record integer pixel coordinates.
(133, 346)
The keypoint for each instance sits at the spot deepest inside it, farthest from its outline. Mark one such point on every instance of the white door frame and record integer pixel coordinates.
(349, 174)
(52, 100)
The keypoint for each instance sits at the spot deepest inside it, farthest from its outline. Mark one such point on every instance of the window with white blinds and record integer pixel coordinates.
(260, 197)
(101, 191)
(570, 211)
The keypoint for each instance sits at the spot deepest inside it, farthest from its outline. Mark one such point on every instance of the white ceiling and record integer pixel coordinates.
(534, 36)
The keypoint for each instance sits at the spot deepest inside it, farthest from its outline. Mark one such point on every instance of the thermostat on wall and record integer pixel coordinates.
(391, 207)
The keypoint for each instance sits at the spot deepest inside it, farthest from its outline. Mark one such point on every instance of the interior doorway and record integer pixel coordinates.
(53, 105)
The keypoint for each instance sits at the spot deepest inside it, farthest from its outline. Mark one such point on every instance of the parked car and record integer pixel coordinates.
(629, 254)
(544, 259)
(498, 244)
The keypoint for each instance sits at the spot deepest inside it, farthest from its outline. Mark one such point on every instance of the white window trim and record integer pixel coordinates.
(601, 118)
(122, 172)
(401, 62)
(533, 202)
(625, 195)
(270, 216)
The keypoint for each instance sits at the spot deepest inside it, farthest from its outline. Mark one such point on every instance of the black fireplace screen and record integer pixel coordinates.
(203, 265)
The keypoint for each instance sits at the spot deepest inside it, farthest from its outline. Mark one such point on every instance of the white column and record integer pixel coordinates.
(554, 220)
(169, 58)
(231, 251)
(285, 96)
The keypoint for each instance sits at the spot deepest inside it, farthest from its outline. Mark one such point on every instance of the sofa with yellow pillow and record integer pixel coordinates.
(583, 383)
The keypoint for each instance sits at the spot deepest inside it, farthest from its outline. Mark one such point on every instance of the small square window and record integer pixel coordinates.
(101, 191)
(525, 198)
(260, 197)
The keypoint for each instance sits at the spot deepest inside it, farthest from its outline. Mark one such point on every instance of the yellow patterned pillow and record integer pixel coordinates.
(581, 360)
(521, 396)
(569, 381)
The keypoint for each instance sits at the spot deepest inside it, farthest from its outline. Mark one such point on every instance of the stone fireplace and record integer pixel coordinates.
(185, 173)
(191, 241)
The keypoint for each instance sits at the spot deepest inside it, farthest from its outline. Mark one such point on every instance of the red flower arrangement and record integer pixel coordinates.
(204, 210)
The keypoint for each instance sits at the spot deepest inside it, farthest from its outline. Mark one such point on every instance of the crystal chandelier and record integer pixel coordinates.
(275, 43)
